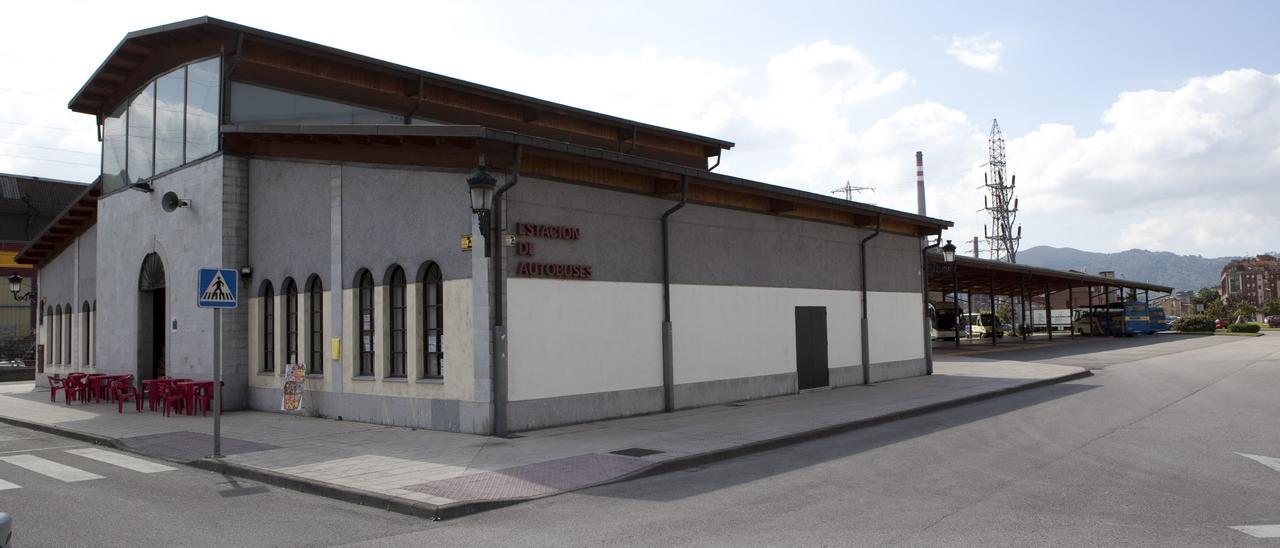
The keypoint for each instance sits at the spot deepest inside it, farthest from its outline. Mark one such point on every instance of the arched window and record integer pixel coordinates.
(433, 323)
(67, 314)
(49, 320)
(396, 322)
(364, 284)
(56, 340)
(315, 343)
(86, 333)
(268, 327)
(291, 320)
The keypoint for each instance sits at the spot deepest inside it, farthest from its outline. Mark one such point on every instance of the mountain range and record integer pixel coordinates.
(1182, 272)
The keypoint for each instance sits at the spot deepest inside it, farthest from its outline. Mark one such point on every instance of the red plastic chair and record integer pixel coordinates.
(74, 388)
(56, 384)
(202, 398)
(173, 397)
(123, 390)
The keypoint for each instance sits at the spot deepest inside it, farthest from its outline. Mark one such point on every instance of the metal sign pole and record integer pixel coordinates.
(217, 383)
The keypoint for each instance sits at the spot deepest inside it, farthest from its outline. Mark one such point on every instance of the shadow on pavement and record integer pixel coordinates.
(832, 448)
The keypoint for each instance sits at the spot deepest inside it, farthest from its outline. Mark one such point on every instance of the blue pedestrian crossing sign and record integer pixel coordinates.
(217, 288)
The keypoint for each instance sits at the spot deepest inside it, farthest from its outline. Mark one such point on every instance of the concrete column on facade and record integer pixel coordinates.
(480, 321)
(335, 279)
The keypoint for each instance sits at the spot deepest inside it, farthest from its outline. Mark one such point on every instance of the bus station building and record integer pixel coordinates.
(619, 273)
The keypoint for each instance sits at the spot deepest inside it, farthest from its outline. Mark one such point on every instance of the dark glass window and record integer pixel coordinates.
(203, 96)
(171, 102)
(365, 284)
(172, 120)
(56, 342)
(268, 328)
(68, 312)
(252, 104)
(85, 334)
(315, 294)
(397, 313)
(142, 116)
(291, 320)
(50, 318)
(113, 151)
(433, 323)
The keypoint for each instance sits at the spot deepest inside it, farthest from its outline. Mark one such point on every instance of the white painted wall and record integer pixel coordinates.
(896, 330)
(726, 332)
(580, 337)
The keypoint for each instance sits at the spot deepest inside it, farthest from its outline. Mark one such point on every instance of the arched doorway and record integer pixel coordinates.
(151, 318)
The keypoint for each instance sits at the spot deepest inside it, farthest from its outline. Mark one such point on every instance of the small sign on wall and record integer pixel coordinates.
(466, 242)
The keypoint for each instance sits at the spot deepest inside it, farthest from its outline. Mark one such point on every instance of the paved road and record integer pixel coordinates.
(1145, 453)
(66, 493)
(1141, 454)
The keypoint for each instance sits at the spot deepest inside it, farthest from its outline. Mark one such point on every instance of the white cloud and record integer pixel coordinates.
(980, 52)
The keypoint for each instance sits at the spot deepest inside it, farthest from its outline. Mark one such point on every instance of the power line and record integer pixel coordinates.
(49, 160)
(28, 124)
(48, 148)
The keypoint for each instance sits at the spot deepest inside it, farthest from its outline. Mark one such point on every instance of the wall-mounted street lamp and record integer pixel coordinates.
(481, 185)
(15, 287)
(949, 252)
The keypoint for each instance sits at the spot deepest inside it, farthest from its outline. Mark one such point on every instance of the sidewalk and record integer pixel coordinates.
(440, 474)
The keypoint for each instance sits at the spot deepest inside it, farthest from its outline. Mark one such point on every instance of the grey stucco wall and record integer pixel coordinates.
(289, 222)
(58, 278)
(131, 225)
(621, 241)
(87, 276)
(406, 217)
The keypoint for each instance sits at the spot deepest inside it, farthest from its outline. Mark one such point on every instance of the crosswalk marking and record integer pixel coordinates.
(1259, 531)
(50, 468)
(6, 485)
(121, 460)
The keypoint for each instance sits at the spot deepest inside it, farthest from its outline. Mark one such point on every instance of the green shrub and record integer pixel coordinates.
(1244, 328)
(1195, 324)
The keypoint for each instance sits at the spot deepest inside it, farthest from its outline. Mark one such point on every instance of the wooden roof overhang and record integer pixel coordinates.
(279, 61)
(76, 218)
(978, 276)
(458, 147)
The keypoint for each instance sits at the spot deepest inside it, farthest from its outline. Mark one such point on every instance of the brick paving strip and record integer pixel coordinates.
(440, 475)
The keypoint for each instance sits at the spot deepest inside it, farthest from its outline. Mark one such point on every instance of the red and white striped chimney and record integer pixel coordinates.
(920, 182)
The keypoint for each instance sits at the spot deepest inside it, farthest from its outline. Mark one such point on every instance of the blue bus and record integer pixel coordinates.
(1112, 319)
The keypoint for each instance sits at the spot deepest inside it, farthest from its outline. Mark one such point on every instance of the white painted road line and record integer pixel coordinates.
(121, 460)
(50, 468)
(6, 485)
(1259, 531)
(1270, 462)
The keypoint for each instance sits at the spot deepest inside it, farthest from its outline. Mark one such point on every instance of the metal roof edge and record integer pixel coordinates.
(580, 150)
(723, 144)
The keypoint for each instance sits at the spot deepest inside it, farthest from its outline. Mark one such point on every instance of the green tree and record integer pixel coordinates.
(1215, 310)
(1271, 307)
(1004, 313)
(1247, 310)
(1205, 296)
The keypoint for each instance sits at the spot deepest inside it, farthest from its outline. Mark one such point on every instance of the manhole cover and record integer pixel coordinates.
(635, 452)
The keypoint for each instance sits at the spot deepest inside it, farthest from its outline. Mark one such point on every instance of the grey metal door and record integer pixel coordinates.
(811, 346)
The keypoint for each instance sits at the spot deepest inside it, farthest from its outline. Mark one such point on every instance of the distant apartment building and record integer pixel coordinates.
(1255, 280)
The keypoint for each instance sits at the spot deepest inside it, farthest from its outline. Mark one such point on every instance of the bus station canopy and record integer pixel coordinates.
(984, 276)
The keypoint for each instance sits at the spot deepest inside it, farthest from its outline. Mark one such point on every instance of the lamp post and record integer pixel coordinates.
(15, 287)
(481, 185)
(949, 259)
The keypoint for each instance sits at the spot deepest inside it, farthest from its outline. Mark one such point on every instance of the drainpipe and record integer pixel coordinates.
(866, 350)
(668, 365)
(498, 372)
(928, 324)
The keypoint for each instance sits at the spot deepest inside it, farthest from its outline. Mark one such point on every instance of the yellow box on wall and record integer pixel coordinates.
(335, 348)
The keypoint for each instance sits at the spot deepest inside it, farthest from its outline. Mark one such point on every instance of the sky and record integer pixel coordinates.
(1151, 125)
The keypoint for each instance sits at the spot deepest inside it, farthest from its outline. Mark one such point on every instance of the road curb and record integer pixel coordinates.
(463, 508)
